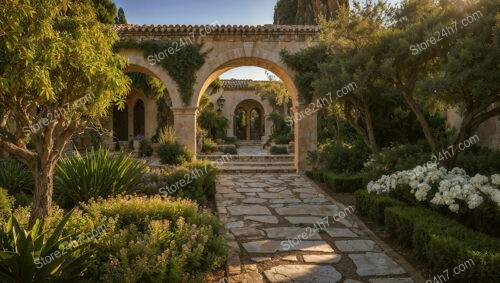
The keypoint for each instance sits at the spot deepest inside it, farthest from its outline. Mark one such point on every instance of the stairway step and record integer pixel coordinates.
(252, 169)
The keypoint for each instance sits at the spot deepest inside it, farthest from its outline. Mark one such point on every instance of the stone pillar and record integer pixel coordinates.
(248, 113)
(306, 136)
(268, 128)
(230, 127)
(185, 127)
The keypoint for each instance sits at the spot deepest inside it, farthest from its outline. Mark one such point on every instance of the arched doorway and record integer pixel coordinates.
(240, 124)
(248, 120)
(256, 124)
(120, 124)
(139, 118)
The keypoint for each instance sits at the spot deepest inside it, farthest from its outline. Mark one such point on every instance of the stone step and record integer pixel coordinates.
(256, 169)
(260, 163)
(250, 158)
(250, 142)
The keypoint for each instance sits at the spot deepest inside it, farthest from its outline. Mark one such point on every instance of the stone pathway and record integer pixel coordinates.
(282, 228)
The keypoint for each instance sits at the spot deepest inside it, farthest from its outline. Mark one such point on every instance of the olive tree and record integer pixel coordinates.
(58, 76)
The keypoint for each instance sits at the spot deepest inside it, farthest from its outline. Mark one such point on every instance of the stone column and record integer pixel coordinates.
(268, 128)
(248, 113)
(306, 135)
(230, 127)
(185, 127)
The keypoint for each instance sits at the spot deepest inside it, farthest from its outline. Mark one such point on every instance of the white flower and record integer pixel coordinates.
(454, 207)
(474, 200)
(495, 179)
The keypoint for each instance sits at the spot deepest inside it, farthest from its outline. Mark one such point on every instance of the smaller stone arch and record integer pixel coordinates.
(253, 129)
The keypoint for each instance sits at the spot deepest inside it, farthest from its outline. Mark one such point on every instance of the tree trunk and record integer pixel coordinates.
(370, 132)
(422, 121)
(42, 198)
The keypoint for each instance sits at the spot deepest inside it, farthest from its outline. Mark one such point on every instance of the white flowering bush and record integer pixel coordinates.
(438, 186)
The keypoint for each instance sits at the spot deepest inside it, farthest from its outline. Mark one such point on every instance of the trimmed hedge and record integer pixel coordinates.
(278, 150)
(230, 149)
(315, 175)
(445, 244)
(373, 205)
(342, 183)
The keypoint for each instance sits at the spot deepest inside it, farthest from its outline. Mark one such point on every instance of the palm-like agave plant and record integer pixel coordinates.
(96, 174)
(15, 177)
(22, 249)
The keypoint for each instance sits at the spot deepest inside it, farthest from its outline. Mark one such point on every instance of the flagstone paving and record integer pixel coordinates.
(282, 228)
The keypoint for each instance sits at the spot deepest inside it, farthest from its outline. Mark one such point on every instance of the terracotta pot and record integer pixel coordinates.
(218, 141)
(209, 152)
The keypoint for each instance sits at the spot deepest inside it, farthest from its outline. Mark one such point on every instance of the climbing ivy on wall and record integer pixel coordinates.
(149, 85)
(306, 62)
(181, 65)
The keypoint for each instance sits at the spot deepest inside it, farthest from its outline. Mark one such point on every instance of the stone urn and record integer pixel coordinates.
(137, 145)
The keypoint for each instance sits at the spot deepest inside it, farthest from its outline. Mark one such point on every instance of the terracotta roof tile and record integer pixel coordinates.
(216, 28)
(238, 84)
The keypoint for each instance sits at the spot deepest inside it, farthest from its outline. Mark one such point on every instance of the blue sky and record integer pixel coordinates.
(233, 12)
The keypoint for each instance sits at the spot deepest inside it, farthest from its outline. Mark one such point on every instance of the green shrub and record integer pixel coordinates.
(444, 243)
(95, 174)
(22, 199)
(344, 158)
(15, 177)
(373, 205)
(194, 180)
(283, 139)
(157, 240)
(146, 148)
(342, 183)
(230, 140)
(166, 135)
(6, 202)
(173, 154)
(147, 239)
(24, 253)
(278, 150)
(480, 160)
(315, 175)
(400, 225)
(230, 150)
(209, 145)
(402, 157)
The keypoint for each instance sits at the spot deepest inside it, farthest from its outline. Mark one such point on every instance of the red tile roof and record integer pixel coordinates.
(217, 29)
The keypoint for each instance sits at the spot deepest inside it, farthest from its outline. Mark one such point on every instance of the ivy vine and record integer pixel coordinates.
(306, 62)
(181, 65)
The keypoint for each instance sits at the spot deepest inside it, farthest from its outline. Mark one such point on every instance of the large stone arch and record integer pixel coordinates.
(251, 55)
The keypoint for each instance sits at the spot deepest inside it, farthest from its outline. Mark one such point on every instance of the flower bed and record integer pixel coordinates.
(475, 201)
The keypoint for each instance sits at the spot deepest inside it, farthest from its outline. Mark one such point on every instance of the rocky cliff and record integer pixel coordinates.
(305, 12)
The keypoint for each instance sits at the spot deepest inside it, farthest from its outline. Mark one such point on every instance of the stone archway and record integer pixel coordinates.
(240, 124)
(228, 47)
(251, 113)
(305, 130)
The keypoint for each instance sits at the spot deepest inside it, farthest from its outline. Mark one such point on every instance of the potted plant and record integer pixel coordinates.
(137, 141)
(209, 146)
